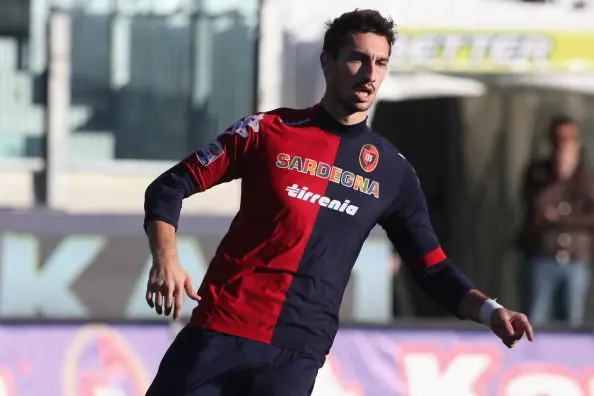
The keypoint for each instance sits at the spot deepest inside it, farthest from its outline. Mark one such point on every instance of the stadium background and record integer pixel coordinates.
(97, 97)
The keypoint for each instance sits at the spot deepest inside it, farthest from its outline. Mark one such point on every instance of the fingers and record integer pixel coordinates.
(520, 326)
(150, 295)
(179, 302)
(524, 327)
(168, 299)
(529, 331)
(159, 302)
(169, 292)
(165, 291)
(511, 342)
(188, 285)
(151, 288)
(508, 327)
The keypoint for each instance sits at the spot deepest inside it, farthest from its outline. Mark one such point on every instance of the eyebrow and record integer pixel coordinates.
(363, 54)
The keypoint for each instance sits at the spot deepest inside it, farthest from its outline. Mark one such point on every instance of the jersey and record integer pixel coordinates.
(312, 190)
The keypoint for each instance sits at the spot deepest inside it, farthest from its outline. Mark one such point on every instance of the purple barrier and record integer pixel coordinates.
(121, 360)
(80, 360)
(461, 363)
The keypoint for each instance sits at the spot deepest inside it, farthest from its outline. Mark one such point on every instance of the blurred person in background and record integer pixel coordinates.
(556, 237)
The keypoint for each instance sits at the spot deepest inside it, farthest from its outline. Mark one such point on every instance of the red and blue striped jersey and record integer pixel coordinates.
(312, 190)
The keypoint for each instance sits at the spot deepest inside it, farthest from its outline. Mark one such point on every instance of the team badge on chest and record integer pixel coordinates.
(368, 157)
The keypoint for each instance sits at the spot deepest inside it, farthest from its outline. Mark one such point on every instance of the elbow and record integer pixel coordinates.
(149, 192)
(152, 192)
(163, 197)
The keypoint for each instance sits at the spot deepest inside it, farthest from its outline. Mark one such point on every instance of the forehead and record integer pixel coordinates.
(370, 44)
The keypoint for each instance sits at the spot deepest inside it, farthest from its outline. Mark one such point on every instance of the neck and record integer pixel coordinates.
(340, 114)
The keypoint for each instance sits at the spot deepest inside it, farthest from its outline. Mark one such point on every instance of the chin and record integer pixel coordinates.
(357, 107)
(361, 107)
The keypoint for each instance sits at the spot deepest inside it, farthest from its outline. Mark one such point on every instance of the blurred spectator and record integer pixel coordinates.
(556, 237)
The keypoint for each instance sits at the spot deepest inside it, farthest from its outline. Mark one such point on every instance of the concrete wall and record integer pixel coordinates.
(108, 192)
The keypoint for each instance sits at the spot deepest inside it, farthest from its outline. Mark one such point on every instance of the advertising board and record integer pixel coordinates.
(98, 360)
(61, 266)
(492, 51)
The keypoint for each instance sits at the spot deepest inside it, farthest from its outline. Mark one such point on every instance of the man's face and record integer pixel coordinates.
(355, 75)
(566, 138)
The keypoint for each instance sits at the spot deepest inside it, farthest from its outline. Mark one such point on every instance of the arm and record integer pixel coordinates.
(220, 161)
(162, 206)
(408, 227)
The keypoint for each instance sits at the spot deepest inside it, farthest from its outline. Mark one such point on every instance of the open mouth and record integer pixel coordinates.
(363, 92)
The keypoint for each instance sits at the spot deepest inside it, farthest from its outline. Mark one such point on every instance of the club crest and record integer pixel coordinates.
(368, 157)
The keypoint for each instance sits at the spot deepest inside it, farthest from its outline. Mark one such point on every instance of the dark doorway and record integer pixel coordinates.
(427, 132)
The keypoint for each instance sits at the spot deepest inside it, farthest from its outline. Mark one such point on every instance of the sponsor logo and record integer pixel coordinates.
(304, 194)
(241, 127)
(207, 155)
(472, 49)
(296, 123)
(329, 172)
(368, 157)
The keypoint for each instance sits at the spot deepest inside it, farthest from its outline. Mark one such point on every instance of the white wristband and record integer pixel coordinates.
(487, 309)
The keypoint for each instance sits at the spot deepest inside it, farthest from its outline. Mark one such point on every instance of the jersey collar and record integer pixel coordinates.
(325, 121)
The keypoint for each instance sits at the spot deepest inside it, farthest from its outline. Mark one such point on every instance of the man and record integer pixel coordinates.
(314, 183)
(557, 235)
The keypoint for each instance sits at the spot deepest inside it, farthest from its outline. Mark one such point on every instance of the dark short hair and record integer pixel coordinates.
(557, 121)
(339, 30)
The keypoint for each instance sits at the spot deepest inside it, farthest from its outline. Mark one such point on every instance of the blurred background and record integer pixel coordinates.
(98, 97)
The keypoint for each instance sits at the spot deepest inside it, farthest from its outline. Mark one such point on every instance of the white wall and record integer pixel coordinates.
(109, 192)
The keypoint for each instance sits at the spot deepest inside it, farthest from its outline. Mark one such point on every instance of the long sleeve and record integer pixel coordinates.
(220, 161)
(408, 227)
(163, 197)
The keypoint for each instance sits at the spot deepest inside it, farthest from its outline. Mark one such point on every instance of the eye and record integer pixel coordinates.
(381, 63)
(355, 58)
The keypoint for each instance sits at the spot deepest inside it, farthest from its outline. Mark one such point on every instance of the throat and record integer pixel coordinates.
(341, 114)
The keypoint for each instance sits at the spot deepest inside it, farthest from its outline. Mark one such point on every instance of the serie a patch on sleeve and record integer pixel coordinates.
(207, 155)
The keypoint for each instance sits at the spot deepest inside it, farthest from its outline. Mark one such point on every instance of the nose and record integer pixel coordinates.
(370, 71)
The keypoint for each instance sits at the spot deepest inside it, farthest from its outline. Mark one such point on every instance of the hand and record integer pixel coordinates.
(166, 286)
(510, 326)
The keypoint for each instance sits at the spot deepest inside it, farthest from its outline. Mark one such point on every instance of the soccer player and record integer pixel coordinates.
(315, 182)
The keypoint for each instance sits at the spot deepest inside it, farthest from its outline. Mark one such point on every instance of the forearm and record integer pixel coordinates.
(448, 286)
(471, 305)
(161, 236)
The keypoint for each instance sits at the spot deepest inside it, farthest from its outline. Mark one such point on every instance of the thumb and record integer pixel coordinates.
(188, 286)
